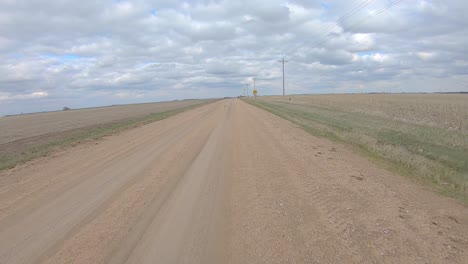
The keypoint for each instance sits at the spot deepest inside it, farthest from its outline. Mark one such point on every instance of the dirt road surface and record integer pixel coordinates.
(222, 183)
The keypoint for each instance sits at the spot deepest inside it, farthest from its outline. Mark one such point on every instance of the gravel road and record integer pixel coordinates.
(222, 183)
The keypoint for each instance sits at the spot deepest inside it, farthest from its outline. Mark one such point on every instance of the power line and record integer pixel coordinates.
(340, 20)
(344, 17)
(360, 22)
(374, 14)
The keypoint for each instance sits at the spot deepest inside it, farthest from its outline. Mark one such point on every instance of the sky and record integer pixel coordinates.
(57, 53)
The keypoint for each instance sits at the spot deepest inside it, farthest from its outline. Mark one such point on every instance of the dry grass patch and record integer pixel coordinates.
(423, 136)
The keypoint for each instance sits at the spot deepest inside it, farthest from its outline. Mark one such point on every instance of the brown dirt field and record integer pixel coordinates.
(18, 127)
(222, 183)
(22, 132)
(448, 111)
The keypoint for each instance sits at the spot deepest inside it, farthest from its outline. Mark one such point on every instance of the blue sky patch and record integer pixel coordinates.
(367, 53)
(63, 57)
(324, 5)
(70, 57)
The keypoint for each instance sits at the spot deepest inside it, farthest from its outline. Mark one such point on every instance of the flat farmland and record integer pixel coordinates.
(23, 137)
(424, 136)
(448, 111)
(29, 125)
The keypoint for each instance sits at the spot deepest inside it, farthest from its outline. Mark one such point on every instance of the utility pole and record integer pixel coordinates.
(283, 61)
(247, 85)
(255, 88)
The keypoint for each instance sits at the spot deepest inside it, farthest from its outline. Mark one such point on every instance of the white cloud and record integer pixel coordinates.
(127, 95)
(158, 50)
(425, 55)
(363, 41)
(34, 95)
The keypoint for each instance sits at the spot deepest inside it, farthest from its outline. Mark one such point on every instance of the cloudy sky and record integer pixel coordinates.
(56, 53)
